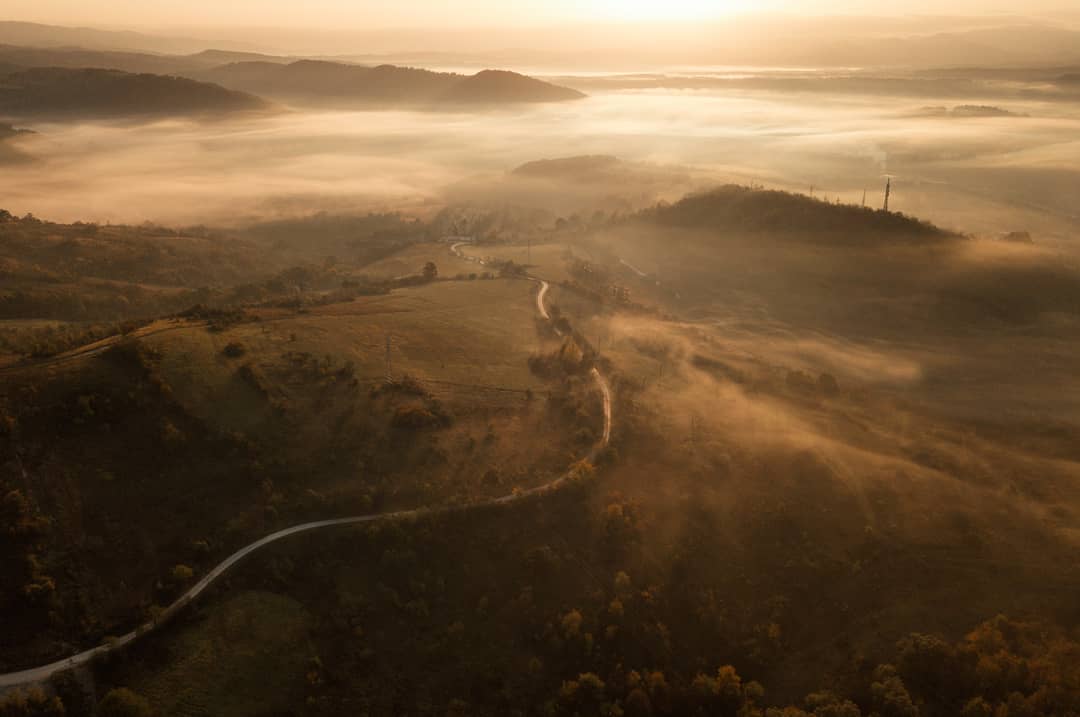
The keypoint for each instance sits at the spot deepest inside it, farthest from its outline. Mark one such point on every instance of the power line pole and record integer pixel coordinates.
(389, 365)
(888, 191)
(864, 197)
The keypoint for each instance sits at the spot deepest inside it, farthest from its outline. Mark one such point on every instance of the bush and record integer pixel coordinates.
(182, 573)
(415, 417)
(33, 703)
(828, 385)
(234, 349)
(122, 702)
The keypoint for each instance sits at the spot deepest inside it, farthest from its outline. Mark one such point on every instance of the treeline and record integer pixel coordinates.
(52, 339)
(41, 251)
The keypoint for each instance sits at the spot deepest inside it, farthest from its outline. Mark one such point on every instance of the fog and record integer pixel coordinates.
(976, 174)
(772, 363)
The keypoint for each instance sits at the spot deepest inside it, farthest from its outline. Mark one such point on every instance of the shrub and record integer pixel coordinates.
(122, 702)
(415, 417)
(182, 573)
(234, 349)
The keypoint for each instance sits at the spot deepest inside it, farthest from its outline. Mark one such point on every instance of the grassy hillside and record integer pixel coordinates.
(753, 515)
(92, 278)
(65, 92)
(808, 263)
(261, 424)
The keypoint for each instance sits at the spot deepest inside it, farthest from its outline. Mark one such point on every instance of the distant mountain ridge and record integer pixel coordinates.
(321, 81)
(35, 34)
(307, 81)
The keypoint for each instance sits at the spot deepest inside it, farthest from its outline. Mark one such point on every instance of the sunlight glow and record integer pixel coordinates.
(674, 10)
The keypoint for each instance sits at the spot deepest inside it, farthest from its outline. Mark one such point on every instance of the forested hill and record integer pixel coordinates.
(746, 210)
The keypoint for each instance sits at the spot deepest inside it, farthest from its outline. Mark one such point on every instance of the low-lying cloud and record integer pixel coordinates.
(232, 171)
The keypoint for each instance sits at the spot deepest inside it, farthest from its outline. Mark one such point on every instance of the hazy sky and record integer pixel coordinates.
(366, 14)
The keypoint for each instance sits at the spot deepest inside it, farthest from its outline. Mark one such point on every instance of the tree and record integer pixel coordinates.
(122, 702)
(34, 703)
(430, 272)
(934, 672)
(977, 707)
(638, 704)
(234, 349)
(583, 696)
(826, 704)
(890, 695)
(828, 385)
(721, 694)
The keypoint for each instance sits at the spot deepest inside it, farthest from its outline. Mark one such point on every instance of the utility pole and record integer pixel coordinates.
(529, 260)
(389, 366)
(888, 191)
(864, 197)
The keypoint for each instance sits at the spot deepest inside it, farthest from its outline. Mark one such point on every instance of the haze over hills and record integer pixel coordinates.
(328, 82)
(7, 131)
(758, 40)
(63, 92)
(44, 35)
(127, 61)
(85, 92)
(311, 81)
(138, 62)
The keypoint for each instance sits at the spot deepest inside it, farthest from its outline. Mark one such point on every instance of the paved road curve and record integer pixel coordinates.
(42, 673)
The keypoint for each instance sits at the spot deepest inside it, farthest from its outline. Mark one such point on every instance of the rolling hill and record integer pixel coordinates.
(64, 92)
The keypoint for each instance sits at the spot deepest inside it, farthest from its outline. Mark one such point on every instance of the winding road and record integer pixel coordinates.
(44, 672)
(544, 286)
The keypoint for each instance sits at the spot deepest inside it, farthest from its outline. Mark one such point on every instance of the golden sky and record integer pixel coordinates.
(366, 14)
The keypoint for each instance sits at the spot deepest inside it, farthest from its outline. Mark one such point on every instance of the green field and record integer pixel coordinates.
(247, 656)
(410, 260)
